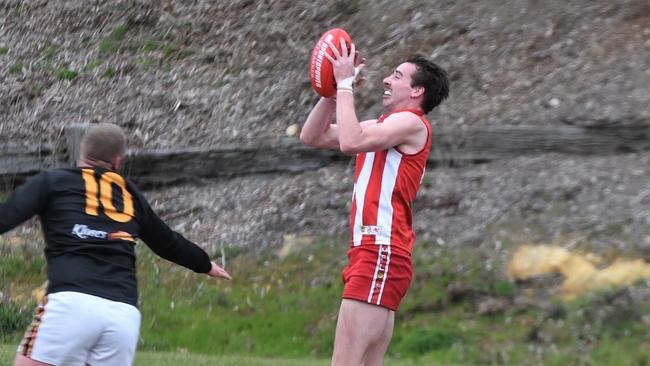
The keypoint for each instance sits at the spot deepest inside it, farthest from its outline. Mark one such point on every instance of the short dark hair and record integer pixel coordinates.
(103, 142)
(433, 78)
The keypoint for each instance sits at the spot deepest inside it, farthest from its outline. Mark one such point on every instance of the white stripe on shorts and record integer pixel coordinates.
(381, 292)
(374, 276)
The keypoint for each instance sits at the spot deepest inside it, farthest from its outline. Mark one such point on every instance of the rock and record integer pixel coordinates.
(293, 244)
(293, 130)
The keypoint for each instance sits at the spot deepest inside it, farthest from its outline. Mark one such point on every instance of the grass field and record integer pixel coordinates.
(180, 359)
(166, 358)
(282, 311)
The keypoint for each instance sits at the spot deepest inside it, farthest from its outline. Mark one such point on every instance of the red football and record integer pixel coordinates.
(320, 68)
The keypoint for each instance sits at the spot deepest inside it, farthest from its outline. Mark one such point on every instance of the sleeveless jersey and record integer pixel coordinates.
(385, 185)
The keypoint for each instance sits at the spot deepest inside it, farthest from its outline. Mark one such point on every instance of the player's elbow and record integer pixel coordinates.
(308, 139)
(349, 148)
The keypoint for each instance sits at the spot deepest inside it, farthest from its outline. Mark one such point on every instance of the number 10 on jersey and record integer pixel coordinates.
(102, 194)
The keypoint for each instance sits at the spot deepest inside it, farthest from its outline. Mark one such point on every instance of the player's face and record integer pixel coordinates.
(398, 92)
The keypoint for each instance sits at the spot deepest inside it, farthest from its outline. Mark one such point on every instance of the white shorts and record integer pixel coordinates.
(72, 328)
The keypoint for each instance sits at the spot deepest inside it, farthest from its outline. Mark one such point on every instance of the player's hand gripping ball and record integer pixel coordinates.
(320, 68)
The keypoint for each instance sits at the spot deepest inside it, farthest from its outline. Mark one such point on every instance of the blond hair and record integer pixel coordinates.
(103, 142)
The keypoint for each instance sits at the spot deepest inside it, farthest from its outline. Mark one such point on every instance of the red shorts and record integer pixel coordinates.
(377, 274)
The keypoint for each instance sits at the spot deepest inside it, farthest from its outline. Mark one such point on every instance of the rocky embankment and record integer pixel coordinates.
(192, 76)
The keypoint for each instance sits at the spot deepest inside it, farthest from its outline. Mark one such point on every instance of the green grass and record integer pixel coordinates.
(66, 74)
(145, 63)
(276, 311)
(16, 68)
(14, 319)
(108, 47)
(110, 72)
(92, 65)
(185, 53)
(169, 50)
(4, 50)
(50, 52)
(20, 263)
(150, 45)
(176, 52)
(45, 67)
(222, 82)
(119, 32)
(7, 354)
(268, 312)
(183, 358)
(112, 43)
(20, 268)
(273, 309)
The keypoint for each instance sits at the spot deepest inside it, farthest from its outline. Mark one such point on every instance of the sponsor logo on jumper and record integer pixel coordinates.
(370, 230)
(121, 235)
(84, 232)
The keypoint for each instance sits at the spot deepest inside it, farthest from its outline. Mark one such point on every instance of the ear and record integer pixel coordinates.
(417, 91)
(117, 163)
(82, 153)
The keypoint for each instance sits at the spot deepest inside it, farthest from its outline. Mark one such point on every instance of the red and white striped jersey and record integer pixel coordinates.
(385, 185)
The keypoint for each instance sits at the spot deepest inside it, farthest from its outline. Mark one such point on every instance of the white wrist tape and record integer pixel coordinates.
(349, 82)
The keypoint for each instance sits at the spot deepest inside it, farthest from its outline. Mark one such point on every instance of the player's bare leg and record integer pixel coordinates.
(26, 361)
(360, 325)
(377, 350)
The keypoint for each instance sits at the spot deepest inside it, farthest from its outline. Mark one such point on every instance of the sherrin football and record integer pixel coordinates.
(320, 68)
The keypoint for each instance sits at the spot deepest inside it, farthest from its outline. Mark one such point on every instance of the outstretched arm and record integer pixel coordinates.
(174, 247)
(27, 201)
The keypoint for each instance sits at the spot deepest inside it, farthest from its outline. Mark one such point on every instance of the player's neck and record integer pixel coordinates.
(407, 104)
(402, 108)
(91, 163)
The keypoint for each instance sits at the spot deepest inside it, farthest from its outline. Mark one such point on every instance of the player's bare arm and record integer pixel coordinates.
(404, 130)
(318, 130)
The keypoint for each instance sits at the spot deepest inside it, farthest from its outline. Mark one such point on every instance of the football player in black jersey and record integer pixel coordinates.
(91, 217)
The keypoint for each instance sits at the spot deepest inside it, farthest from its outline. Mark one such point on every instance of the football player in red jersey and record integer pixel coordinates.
(91, 216)
(391, 154)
